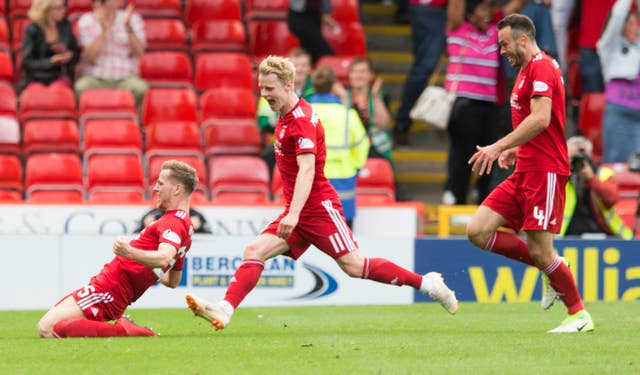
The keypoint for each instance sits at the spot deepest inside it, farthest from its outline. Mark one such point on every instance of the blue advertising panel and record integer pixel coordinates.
(606, 270)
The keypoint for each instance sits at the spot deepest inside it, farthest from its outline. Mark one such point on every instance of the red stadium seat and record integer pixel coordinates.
(8, 100)
(174, 138)
(218, 36)
(238, 178)
(17, 31)
(241, 138)
(375, 181)
(574, 83)
(166, 35)
(111, 136)
(227, 103)
(198, 10)
(155, 166)
(112, 178)
(223, 69)
(590, 120)
(11, 174)
(8, 196)
(266, 9)
(18, 9)
(345, 11)
(158, 8)
(6, 69)
(50, 135)
(628, 181)
(107, 104)
(3, 8)
(5, 40)
(340, 66)
(348, 41)
(54, 177)
(9, 135)
(48, 102)
(167, 69)
(270, 38)
(169, 104)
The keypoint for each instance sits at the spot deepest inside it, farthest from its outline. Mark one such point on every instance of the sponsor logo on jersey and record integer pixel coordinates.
(171, 236)
(305, 143)
(539, 86)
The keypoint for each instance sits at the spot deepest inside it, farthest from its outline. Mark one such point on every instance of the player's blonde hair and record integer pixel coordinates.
(282, 67)
(183, 173)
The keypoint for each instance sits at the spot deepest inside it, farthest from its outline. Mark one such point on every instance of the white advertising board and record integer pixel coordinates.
(224, 220)
(42, 269)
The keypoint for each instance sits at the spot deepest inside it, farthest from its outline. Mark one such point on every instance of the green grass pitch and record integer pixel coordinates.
(408, 339)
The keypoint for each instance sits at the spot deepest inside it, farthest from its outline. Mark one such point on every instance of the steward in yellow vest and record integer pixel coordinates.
(345, 137)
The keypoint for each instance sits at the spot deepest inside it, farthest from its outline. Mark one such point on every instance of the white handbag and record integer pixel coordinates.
(434, 106)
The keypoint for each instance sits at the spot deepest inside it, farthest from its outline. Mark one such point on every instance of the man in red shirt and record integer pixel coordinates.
(156, 254)
(313, 214)
(532, 198)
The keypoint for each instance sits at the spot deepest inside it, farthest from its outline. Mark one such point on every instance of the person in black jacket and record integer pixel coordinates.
(49, 49)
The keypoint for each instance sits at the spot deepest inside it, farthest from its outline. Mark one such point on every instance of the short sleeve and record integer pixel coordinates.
(543, 79)
(304, 136)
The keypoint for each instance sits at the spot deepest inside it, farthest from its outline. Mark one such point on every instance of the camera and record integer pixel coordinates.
(578, 160)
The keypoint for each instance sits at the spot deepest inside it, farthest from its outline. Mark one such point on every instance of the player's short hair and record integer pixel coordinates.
(183, 173)
(282, 67)
(323, 79)
(520, 24)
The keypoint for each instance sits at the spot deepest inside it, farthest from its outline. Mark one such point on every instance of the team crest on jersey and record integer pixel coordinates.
(514, 101)
(171, 236)
(305, 143)
(277, 147)
(539, 86)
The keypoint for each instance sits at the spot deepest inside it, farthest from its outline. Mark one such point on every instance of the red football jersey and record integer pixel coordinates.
(300, 131)
(546, 152)
(133, 278)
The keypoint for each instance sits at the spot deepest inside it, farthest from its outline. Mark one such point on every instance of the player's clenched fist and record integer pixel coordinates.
(121, 246)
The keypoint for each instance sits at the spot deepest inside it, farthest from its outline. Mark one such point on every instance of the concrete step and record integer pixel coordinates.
(375, 12)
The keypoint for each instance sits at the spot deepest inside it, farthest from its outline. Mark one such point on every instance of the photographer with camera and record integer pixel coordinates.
(591, 193)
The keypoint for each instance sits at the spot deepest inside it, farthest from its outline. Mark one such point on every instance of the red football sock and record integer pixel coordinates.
(244, 280)
(510, 246)
(79, 327)
(562, 282)
(387, 272)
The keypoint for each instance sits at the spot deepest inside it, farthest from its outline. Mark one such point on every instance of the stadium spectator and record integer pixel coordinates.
(200, 224)
(591, 193)
(619, 51)
(427, 20)
(532, 198)
(540, 13)
(113, 41)
(594, 14)
(345, 137)
(157, 254)
(49, 49)
(313, 214)
(267, 118)
(305, 19)
(472, 73)
(561, 13)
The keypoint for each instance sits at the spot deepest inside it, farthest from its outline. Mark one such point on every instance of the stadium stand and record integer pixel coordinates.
(340, 66)
(375, 183)
(9, 135)
(227, 104)
(167, 69)
(198, 10)
(50, 135)
(230, 182)
(166, 34)
(111, 136)
(590, 114)
(158, 9)
(18, 9)
(115, 178)
(9, 102)
(106, 104)
(54, 177)
(5, 40)
(223, 69)
(17, 31)
(345, 11)
(218, 36)
(270, 38)
(76, 8)
(242, 138)
(349, 41)
(169, 104)
(173, 138)
(47, 102)
(266, 10)
(6, 69)
(11, 178)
